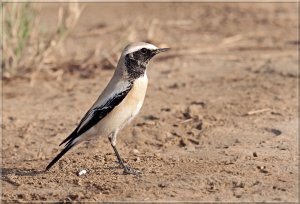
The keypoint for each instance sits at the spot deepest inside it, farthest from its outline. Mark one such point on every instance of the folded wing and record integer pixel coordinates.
(91, 118)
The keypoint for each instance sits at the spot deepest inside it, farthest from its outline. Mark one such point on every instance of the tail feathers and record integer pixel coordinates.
(70, 137)
(65, 150)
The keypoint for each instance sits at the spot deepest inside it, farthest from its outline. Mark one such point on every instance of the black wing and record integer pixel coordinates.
(94, 115)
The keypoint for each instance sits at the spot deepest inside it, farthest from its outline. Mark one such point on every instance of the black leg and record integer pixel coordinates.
(127, 169)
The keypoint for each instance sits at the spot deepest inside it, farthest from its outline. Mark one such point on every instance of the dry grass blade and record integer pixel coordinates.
(199, 49)
(25, 47)
(98, 32)
(17, 25)
(257, 111)
(151, 30)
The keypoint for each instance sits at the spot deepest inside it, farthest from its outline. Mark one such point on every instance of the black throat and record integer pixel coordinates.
(135, 67)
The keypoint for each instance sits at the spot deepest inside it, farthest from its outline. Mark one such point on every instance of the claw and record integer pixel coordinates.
(129, 170)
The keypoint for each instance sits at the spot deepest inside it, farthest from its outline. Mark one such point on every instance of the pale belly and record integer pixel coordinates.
(125, 111)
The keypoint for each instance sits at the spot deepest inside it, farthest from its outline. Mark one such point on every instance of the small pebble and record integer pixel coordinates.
(135, 151)
(82, 172)
(262, 169)
(162, 185)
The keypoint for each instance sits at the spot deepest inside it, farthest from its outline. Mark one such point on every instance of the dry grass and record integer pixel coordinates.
(25, 47)
(32, 52)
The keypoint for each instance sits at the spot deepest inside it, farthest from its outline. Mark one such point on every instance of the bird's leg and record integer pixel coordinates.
(113, 140)
(127, 169)
(120, 161)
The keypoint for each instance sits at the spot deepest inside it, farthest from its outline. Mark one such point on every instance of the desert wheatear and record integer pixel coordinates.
(119, 102)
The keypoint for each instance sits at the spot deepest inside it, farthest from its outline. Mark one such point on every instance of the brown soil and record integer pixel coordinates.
(219, 123)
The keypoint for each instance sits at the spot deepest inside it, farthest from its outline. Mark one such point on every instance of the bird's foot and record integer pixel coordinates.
(120, 163)
(129, 170)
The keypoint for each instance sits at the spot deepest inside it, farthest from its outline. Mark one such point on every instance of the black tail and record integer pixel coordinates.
(70, 137)
(65, 150)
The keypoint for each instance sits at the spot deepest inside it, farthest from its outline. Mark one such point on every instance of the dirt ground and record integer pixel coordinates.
(219, 122)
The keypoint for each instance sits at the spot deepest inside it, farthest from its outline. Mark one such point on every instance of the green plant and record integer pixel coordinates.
(25, 47)
(17, 25)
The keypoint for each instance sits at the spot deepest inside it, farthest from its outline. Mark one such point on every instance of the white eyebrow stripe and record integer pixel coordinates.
(138, 47)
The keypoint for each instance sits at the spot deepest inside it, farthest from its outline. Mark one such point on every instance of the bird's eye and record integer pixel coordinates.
(144, 50)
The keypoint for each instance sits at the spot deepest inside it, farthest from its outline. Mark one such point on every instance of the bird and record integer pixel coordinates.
(118, 103)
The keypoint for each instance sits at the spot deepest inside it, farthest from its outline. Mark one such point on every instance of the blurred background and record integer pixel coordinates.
(47, 35)
(219, 122)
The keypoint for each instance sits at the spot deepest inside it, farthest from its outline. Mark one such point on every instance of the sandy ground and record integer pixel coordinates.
(219, 123)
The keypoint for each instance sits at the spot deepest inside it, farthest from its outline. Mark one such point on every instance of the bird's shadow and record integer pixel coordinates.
(5, 172)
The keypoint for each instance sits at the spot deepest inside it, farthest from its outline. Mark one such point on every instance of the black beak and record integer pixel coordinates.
(159, 50)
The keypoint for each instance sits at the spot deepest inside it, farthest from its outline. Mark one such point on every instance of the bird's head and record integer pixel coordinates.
(136, 57)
